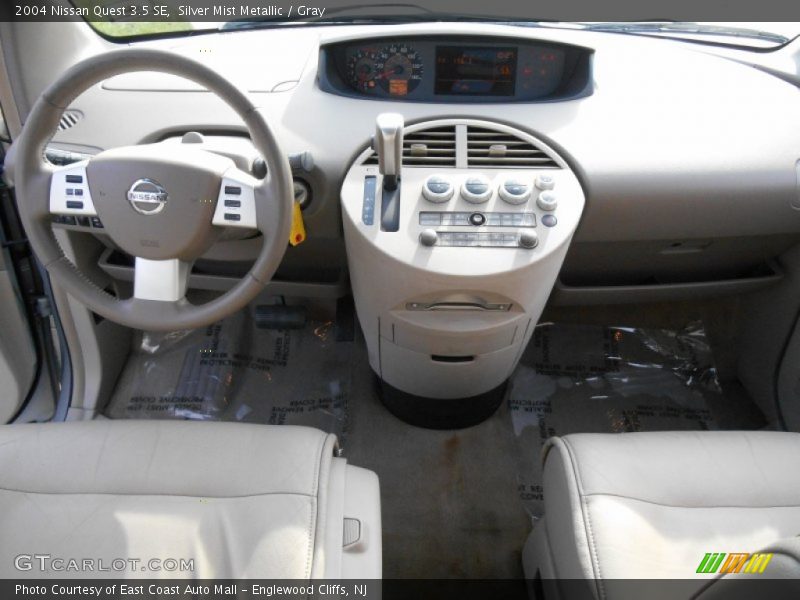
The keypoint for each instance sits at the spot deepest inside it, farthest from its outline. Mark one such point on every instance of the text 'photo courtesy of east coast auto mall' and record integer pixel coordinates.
(399, 299)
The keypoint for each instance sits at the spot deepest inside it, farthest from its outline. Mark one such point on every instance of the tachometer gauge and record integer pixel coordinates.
(399, 69)
(361, 70)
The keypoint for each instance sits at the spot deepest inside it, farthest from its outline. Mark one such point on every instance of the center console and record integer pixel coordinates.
(456, 230)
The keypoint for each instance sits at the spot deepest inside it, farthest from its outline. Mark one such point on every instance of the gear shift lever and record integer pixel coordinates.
(389, 146)
(388, 143)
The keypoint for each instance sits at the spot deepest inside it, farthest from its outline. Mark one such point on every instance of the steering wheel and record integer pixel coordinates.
(163, 204)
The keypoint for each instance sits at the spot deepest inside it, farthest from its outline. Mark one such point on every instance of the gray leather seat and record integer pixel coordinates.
(240, 501)
(652, 505)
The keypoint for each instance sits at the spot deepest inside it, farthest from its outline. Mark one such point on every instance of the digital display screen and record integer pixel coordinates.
(475, 71)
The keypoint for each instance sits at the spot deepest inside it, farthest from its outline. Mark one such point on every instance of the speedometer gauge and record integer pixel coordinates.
(361, 70)
(399, 69)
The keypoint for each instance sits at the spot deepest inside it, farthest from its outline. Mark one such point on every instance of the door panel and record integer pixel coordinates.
(17, 352)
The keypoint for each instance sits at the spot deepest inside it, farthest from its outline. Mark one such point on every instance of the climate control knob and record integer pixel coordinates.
(476, 189)
(437, 189)
(428, 237)
(515, 191)
(547, 201)
(528, 240)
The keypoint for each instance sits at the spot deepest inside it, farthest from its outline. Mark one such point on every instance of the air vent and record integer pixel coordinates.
(490, 148)
(435, 147)
(69, 119)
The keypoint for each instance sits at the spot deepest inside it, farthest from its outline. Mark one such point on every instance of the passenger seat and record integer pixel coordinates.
(655, 505)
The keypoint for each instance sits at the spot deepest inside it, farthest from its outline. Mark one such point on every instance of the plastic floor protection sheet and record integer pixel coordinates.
(233, 371)
(596, 379)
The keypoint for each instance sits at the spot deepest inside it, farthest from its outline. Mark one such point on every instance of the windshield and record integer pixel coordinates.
(179, 17)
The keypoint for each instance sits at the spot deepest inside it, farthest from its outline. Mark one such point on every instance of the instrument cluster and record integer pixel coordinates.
(445, 69)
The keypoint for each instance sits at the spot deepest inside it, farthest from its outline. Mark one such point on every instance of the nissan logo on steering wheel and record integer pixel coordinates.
(147, 197)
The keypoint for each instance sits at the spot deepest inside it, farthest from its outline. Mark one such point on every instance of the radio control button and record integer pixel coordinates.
(549, 220)
(437, 189)
(476, 189)
(515, 191)
(428, 237)
(528, 240)
(477, 219)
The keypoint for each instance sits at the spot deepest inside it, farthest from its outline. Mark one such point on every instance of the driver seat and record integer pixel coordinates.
(238, 500)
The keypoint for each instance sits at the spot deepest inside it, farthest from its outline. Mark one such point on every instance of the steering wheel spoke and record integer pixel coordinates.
(236, 203)
(162, 280)
(69, 191)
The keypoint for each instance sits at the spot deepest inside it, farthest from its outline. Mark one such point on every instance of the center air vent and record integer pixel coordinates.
(471, 144)
(434, 147)
(490, 148)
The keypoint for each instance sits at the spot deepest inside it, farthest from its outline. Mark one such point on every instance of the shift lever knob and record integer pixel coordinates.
(389, 146)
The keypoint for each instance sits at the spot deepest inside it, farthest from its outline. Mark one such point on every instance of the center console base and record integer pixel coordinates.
(438, 413)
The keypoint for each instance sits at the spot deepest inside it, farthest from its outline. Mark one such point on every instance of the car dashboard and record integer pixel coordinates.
(687, 159)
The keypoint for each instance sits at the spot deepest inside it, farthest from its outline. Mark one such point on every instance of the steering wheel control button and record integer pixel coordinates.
(477, 219)
(515, 191)
(69, 192)
(239, 211)
(545, 182)
(437, 189)
(547, 201)
(549, 220)
(476, 189)
(528, 240)
(428, 237)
